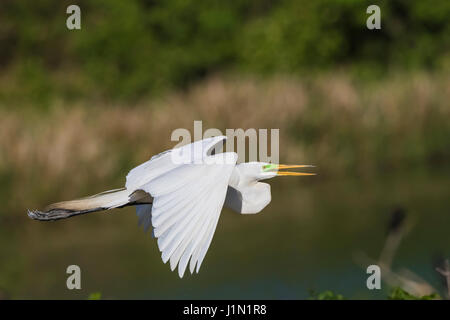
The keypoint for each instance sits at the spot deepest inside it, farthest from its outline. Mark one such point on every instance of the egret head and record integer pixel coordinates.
(263, 170)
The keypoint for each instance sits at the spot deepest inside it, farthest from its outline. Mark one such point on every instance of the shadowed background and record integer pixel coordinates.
(79, 109)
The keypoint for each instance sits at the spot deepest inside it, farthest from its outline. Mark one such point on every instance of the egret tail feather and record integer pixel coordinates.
(117, 198)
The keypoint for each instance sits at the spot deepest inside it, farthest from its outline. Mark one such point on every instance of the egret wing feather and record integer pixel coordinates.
(203, 207)
(188, 197)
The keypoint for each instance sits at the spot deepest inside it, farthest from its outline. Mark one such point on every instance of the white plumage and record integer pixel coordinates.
(187, 200)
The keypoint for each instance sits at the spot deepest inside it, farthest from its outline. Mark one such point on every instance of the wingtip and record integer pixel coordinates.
(180, 272)
(199, 264)
(217, 138)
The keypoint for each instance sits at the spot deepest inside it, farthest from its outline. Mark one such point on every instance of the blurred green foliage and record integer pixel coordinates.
(396, 293)
(326, 295)
(400, 294)
(95, 296)
(128, 49)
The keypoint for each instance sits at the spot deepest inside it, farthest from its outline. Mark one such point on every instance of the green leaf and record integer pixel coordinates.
(95, 296)
(327, 295)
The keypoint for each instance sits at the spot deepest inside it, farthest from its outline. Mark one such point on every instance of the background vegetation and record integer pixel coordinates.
(131, 49)
(78, 109)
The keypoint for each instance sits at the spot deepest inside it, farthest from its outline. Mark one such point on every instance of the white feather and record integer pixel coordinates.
(187, 199)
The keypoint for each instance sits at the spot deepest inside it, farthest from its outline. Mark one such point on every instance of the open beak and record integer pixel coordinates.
(278, 167)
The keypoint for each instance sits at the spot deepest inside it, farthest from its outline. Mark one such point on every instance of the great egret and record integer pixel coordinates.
(181, 192)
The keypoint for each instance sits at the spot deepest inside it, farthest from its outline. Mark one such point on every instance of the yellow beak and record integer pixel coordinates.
(279, 167)
(292, 173)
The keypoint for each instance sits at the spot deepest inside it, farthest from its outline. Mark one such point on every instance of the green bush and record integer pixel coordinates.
(396, 293)
(326, 295)
(128, 49)
(400, 294)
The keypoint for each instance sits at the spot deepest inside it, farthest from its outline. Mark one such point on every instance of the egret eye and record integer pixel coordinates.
(269, 167)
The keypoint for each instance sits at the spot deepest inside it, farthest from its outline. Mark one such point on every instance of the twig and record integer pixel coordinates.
(446, 273)
(406, 279)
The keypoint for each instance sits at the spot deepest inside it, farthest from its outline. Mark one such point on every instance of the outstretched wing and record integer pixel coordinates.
(188, 197)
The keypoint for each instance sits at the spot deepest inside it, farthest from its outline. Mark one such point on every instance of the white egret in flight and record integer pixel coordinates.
(180, 193)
